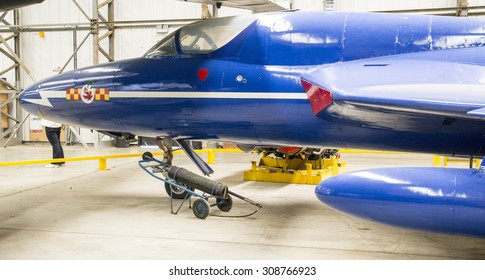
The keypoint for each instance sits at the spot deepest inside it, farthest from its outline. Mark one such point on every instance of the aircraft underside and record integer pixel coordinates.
(279, 122)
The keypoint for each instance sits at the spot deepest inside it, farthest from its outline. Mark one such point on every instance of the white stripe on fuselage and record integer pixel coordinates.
(222, 95)
(45, 95)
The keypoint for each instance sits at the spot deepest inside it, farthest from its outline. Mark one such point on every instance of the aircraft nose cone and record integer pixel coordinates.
(30, 98)
(405, 197)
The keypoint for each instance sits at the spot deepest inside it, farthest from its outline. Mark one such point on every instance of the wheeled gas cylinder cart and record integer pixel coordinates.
(181, 184)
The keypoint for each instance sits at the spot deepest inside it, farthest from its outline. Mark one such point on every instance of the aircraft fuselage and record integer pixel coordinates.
(249, 89)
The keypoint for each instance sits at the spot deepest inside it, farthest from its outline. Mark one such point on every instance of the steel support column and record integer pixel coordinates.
(10, 112)
(463, 8)
(215, 11)
(97, 20)
(95, 32)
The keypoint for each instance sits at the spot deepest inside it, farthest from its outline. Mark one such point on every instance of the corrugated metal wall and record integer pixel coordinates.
(45, 55)
(379, 5)
(384, 5)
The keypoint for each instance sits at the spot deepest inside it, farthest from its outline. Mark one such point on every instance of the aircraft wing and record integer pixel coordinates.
(379, 92)
(258, 6)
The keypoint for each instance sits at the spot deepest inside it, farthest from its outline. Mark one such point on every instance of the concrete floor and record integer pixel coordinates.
(77, 212)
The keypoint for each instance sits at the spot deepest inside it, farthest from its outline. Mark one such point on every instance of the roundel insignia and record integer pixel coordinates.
(87, 94)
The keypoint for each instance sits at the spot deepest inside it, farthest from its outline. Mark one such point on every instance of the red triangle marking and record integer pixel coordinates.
(202, 74)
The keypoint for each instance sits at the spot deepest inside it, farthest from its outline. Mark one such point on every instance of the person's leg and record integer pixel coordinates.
(60, 151)
(54, 139)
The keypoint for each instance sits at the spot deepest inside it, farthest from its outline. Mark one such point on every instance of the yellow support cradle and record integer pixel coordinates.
(294, 170)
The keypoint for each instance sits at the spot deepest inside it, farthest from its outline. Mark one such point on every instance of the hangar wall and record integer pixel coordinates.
(377, 5)
(44, 54)
(383, 5)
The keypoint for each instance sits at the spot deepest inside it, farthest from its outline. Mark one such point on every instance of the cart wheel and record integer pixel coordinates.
(147, 156)
(175, 192)
(225, 205)
(201, 208)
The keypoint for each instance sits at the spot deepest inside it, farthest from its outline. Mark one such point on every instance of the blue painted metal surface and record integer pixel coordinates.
(442, 200)
(253, 85)
(391, 82)
(264, 63)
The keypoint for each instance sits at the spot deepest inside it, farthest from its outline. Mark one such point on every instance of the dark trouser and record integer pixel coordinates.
(54, 137)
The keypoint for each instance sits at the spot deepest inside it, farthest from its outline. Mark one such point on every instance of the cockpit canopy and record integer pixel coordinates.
(201, 37)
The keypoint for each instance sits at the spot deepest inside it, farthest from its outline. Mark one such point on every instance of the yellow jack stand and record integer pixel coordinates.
(295, 170)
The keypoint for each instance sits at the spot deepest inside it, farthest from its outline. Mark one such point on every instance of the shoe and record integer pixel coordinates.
(52, 166)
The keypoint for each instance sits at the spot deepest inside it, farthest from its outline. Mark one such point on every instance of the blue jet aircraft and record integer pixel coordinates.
(309, 79)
